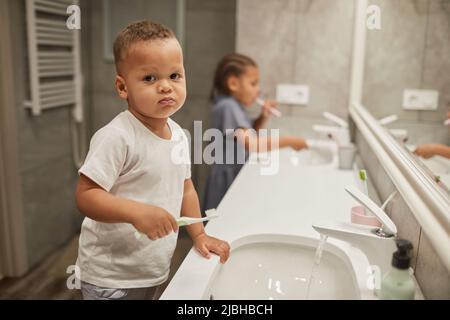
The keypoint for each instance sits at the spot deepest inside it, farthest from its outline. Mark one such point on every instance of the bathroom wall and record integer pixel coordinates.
(430, 272)
(209, 34)
(47, 172)
(302, 42)
(412, 50)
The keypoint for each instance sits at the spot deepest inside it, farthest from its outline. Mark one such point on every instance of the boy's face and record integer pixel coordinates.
(245, 88)
(152, 78)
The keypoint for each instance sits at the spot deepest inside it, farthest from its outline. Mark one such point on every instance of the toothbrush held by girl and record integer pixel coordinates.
(272, 110)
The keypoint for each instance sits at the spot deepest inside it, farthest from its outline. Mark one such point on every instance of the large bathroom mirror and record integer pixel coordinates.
(407, 81)
(118, 14)
(400, 101)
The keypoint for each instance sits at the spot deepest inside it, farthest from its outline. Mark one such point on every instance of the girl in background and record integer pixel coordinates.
(236, 87)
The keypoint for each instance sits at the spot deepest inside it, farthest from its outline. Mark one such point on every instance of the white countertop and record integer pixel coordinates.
(285, 203)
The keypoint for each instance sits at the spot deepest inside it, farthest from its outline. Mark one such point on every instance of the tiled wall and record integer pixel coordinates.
(430, 272)
(412, 50)
(303, 42)
(46, 168)
(209, 34)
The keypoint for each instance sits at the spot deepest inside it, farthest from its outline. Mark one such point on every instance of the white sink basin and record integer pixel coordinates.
(279, 267)
(312, 157)
(320, 152)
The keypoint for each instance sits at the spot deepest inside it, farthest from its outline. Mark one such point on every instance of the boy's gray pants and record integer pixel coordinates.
(93, 292)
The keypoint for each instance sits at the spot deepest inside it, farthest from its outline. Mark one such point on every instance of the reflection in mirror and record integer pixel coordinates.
(407, 80)
(436, 158)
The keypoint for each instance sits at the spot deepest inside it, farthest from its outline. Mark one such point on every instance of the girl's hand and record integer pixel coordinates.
(266, 113)
(154, 222)
(205, 244)
(427, 150)
(298, 143)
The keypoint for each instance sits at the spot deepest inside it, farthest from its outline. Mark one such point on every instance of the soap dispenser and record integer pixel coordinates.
(398, 283)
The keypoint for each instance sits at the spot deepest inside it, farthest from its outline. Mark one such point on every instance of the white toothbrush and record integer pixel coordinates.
(185, 221)
(388, 225)
(274, 111)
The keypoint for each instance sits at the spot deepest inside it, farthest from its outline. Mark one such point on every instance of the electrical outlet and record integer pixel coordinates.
(414, 99)
(293, 94)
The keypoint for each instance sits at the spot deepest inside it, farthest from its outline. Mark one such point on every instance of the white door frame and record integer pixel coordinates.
(13, 254)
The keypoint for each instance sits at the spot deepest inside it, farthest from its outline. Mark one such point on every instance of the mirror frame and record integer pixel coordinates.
(428, 201)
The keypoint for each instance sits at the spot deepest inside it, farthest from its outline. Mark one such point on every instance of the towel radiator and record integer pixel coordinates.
(54, 58)
(55, 66)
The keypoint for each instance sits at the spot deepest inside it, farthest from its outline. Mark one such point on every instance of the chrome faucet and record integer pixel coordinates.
(377, 243)
(340, 133)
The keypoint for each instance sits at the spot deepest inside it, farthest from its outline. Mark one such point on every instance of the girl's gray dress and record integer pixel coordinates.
(228, 115)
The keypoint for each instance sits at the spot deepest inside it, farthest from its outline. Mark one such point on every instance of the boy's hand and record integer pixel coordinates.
(155, 222)
(206, 244)
(298, 143)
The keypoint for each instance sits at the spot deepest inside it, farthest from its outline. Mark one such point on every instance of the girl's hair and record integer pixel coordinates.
(233, 64)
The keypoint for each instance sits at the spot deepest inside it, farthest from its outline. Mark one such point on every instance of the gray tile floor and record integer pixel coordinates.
(48, 279)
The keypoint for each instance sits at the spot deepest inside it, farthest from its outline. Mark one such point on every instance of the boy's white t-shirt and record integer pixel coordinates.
(128, 160)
